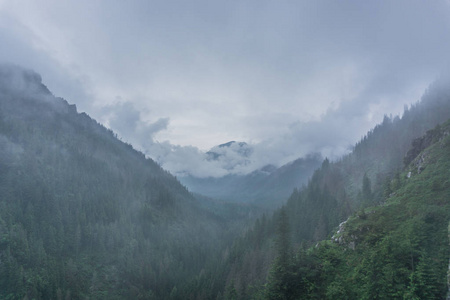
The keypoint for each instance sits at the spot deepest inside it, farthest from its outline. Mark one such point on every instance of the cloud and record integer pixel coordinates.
(125, 119)
(183, 160)
(287, 77)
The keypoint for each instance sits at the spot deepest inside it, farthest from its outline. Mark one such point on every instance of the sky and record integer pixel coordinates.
(176, 78)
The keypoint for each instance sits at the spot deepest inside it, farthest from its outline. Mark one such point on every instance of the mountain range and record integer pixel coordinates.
(266, 187)
(83, 215)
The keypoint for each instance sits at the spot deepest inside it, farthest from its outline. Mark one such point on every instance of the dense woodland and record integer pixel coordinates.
(85, 216)
(82, 214)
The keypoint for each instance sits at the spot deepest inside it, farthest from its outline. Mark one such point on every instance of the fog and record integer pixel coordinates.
(287, 78)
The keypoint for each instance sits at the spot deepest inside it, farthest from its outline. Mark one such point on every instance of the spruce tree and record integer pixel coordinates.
(282, 281)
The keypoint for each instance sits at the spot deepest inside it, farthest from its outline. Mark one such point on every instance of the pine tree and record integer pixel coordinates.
(282, 281)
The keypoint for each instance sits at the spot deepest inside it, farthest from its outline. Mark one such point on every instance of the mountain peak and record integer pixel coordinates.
(235, 149)
(231, 143)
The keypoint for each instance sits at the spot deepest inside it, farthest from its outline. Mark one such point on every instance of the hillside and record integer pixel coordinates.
(396, 250)
(84, 215)
(364, 178)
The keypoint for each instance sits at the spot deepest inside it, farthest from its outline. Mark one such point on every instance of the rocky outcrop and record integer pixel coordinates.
(418, 156)
(423, 142)
(419, 163)
(342, 239)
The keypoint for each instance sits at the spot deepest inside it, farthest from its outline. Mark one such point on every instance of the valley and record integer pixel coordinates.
(84, 215)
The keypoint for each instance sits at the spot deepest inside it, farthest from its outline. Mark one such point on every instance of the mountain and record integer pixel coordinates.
(396, 250)
(379, 252)
(242, 149)
(84, 215)
(267, 187)
(379, 154)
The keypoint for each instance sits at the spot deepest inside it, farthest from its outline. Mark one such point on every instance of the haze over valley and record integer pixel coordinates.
(257, 150)
(177, 79)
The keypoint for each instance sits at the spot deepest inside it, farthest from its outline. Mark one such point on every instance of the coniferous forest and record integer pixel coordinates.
(83, 215)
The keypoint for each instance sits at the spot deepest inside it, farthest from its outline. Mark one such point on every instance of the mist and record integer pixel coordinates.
(232, 150)
(177, 80)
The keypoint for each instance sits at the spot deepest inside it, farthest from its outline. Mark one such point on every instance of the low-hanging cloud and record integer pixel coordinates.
(288, 78)
(125, 119)
(332, 135)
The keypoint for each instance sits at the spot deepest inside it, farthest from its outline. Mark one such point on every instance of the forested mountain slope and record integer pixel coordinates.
(396, 250)
(84, 215)
(364, 178)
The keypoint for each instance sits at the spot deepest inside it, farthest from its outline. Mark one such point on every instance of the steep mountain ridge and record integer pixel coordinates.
(399, 249)
(84, 215)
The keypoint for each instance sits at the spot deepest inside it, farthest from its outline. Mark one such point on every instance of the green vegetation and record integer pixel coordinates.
(357, 185)
(85, 216)
(398, 250)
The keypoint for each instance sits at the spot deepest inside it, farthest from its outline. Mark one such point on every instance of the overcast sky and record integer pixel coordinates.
(175, 78)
